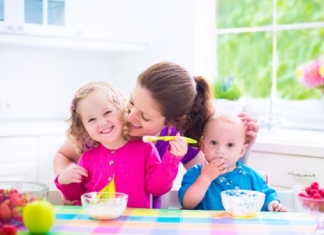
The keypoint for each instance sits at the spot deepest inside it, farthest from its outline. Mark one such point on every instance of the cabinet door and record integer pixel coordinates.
(48, 146)
(41, 17)
(7, 15)
(286, 170)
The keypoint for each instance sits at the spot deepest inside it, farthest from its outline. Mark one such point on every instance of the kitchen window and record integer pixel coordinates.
(259, 47)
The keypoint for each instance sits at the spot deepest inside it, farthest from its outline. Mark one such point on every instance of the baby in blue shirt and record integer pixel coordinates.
(223, 143)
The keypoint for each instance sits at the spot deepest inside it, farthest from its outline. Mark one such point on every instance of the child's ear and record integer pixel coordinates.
(201, 144)
(244, 147)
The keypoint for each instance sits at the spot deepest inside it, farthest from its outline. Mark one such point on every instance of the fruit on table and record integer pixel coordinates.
(11, 205)
(8, 230)
(315, 196)
(38, 216)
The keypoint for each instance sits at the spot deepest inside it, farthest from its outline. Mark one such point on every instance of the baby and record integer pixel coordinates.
(223, 143)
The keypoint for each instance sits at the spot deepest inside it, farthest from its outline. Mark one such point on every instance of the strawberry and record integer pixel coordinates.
(5, 213)
(321, 191)
(15, 199)
(307, 190)
(8, 230)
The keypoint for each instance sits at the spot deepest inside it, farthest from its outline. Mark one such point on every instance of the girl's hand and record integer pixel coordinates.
(251, 128)
(213, 169)
(179, 146)
(276, 206)
(72, 174)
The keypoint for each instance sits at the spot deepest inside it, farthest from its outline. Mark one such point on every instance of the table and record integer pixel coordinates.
(71, 220)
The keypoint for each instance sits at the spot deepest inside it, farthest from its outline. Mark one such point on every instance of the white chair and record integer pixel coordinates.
(288, 198)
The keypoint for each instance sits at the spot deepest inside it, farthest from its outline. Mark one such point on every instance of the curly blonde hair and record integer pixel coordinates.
(77, 132)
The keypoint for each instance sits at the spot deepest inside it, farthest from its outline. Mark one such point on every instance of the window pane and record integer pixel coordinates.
(243, 13)
(246, 57)
(34, 11)
(296, 47)
(299, 11)
(1, 10)
(56, 12)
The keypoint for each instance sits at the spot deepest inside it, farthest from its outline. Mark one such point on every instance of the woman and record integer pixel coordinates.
(166, 100)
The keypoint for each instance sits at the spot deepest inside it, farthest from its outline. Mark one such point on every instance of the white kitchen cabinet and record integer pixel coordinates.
(18, 158)
(286, 170)
(36, 17)
(48, 146)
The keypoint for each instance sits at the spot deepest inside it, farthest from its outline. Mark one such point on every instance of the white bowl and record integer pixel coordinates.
(110, 206)
(242, 203)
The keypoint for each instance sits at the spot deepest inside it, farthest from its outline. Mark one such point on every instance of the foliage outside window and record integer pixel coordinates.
(245, 40)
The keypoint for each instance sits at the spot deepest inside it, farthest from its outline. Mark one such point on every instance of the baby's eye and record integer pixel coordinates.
(230, 145)
(107, 112)
(213, 142)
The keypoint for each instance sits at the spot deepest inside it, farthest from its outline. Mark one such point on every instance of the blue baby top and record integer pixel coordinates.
(242, 177)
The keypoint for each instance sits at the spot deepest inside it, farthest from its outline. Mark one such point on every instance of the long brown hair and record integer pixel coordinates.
(77, 132)
(185, 101)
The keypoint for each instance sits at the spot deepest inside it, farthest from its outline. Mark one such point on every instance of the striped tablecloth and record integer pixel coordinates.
(71, 220)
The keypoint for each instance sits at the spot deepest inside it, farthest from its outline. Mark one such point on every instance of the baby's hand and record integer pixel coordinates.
(72, 174)
(179, 146)
(276, 206)
(214, 168)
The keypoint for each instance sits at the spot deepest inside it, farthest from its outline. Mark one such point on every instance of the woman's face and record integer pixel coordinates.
(144, 115)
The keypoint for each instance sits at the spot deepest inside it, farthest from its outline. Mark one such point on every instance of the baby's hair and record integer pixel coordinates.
(76, 132)
(223, 115)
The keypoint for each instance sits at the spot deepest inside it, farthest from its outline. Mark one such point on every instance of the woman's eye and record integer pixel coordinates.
(131, 102)
(145, 119)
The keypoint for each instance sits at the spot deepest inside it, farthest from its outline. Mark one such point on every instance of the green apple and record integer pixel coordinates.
(39, 216)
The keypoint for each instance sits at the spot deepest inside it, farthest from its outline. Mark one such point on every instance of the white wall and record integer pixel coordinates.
(39, 82)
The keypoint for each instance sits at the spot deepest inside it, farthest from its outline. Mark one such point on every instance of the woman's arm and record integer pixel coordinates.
(65, 156)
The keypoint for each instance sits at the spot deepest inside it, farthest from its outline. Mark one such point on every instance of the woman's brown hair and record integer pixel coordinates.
(77, 132)
(185, 101)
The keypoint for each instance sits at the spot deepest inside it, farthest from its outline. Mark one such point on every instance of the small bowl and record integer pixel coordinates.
(242, 203)
(14, 196)
(109, 206)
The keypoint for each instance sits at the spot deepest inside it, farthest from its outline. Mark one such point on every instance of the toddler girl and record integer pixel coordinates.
(99, 131)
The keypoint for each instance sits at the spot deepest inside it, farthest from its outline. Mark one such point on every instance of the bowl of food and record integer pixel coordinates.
(106, 206)
(242, 203)
(312, 201)
(14, 196)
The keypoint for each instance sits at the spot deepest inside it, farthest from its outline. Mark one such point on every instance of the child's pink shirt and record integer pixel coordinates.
(136, 168)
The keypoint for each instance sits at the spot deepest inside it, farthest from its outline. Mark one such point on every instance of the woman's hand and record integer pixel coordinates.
(179, 146)
(251, 128)
(72, 174)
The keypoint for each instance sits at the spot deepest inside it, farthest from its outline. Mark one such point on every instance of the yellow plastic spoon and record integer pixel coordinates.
(148, 138)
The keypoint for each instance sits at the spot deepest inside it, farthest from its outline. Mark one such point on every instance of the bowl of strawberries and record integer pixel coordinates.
(312, 201)
(14, 196)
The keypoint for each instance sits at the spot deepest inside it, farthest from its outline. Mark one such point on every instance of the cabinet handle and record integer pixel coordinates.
(301, 174)
(10, 27)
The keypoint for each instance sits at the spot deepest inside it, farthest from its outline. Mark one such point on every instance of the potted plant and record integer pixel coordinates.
(228, 95)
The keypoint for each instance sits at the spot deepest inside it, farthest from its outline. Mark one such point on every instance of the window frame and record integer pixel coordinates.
(274, 112)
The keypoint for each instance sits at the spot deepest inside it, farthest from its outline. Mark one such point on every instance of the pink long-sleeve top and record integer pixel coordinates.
(137, 170)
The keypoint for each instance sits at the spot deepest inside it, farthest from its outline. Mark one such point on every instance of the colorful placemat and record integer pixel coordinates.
(72, 220)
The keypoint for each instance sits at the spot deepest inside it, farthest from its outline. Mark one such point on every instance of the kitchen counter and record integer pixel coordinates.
(289, 141)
